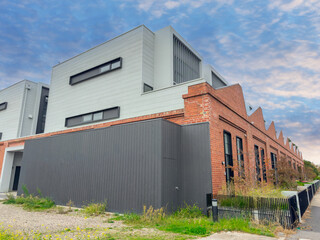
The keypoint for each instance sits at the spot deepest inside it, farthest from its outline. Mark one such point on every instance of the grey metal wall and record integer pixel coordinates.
(128, 165)
(195, 164)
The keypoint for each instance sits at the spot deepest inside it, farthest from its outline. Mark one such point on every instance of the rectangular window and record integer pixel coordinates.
(240, 157)
(106, 114)
(0, 135)
(96, 71)
(264, 170)
(228, 156)
(3, 106)
(186, 65)
(257, 158)
(147, 88)
(273, 161)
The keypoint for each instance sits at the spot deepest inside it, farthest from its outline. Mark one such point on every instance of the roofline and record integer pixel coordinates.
(25, 80)
(142, 25)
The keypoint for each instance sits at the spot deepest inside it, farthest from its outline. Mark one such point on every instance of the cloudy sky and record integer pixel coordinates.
(272, 48)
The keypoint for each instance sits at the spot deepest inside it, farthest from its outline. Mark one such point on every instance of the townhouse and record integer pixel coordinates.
(142, 120)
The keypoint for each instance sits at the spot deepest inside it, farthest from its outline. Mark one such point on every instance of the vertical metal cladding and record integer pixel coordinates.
(185, 62)
(195, 164)
(128, 166)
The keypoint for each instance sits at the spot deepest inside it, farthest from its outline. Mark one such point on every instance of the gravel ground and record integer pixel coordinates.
(74, 225)
(18, 219)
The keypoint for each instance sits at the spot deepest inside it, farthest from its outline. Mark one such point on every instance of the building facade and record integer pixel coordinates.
(22, 113)
(143, 75)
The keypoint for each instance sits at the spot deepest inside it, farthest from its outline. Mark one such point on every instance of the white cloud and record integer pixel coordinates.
(172, 4)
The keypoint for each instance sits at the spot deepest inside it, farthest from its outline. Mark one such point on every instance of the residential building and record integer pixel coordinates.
(140, 116)
(22, 113)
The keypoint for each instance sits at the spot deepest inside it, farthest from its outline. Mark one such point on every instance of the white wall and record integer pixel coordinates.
(10, 118)
(23, 101)
(147, 58)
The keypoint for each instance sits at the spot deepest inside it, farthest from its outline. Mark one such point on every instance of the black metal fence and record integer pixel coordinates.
(280, 210)
(284, 211)
(303, 201)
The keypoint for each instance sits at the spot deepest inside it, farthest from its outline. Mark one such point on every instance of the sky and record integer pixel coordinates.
(272, 48)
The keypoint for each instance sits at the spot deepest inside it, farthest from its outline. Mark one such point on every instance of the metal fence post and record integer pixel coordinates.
(215, 210)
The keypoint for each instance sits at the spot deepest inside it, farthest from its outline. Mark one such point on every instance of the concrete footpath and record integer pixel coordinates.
(310, 227)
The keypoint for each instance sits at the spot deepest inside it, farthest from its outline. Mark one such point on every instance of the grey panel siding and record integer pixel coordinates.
(128, 165)
(171, 135)
(120, 164)
(195, 164)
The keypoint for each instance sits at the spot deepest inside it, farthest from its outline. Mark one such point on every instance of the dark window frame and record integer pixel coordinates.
(3, 106)
(119, 59)
(240, 158)
(257, 160)
(263, 162)
(92, 121)
(228, 161)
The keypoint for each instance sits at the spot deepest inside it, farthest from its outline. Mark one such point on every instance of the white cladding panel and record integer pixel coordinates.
(116, 88)
(21, 116)
(146, 58)
(10, 117)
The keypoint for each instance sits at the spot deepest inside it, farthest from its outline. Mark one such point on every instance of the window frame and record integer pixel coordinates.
(263, 163)
(241, 166)
(3, 106)
(257, 160)
(119, 59)
(92, 114)
(228, 171)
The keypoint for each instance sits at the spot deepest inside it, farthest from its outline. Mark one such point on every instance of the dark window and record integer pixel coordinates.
(240, 157)
(186, 65)
(273, 161)
(96, 71)
(0, 135)
(294, 165)
(106, 114)
(228, 156)
(3, 106)
(147, 88)
(42, 110)
(264, 170)
(257, 158)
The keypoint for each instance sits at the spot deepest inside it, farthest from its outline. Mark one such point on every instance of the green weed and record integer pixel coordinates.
(94, 209)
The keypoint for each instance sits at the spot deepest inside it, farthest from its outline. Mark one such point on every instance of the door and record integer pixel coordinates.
(16, 179)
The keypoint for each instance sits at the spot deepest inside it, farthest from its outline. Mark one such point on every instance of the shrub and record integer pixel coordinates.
(30, 202)
(189, 211)
(95, 209)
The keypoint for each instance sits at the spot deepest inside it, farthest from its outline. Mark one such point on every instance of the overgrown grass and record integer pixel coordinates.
(30, 202)
(191, 221)
(94, 209)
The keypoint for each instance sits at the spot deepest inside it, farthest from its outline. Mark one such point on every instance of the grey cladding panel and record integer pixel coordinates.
(195, 164)
(120, 164)
(128, 165)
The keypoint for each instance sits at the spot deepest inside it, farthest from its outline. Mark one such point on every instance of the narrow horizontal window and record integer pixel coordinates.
(106, 114)
(147, 88)
(96, 71)
(3, 106)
